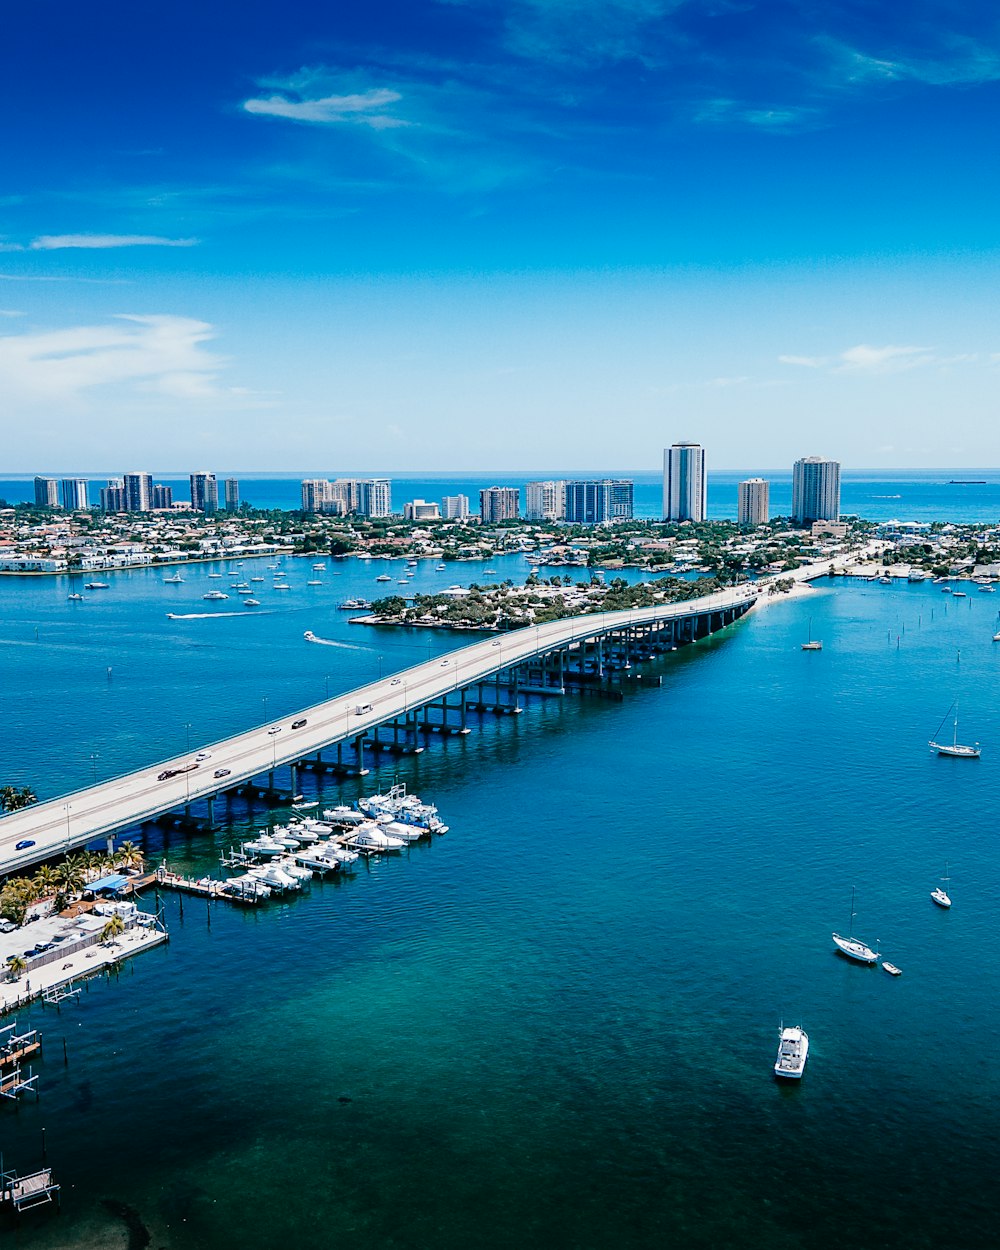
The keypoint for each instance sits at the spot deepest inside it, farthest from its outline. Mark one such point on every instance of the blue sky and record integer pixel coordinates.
(462, 234)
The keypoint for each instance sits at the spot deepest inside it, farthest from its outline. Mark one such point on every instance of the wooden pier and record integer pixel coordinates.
(14, 1047)
(23, 1193)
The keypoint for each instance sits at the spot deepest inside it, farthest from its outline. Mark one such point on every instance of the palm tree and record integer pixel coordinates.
(70, 874)
(45, 881)
(16, 967)
(129, 856)
(12, 799)
(113, 928)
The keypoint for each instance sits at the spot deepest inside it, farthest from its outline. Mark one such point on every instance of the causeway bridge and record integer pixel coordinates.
(395, 714)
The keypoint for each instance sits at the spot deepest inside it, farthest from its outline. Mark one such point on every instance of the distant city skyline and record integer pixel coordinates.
(452, 232)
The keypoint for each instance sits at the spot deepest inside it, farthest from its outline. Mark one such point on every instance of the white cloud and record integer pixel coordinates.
(889, 359)
(160, 353)
(53, 242)
(11, 312)
(806, 362)
(362, 108)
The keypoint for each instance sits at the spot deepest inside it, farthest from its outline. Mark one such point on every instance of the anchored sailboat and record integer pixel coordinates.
(955, 748)
(853, 947)
(940, 895)
(812, 644)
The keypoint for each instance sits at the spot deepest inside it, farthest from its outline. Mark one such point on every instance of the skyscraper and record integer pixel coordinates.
(113, 496)
(754, 496)
(684, 482)
(455, 507)
(315, 492)
(204, 492)
(74, 494)
(138, 491)
(545, 501)
(46, 492)
(163, 498)
(499, 503)
(232, 488)
(592, 503)
(375, 496)
(815, 490)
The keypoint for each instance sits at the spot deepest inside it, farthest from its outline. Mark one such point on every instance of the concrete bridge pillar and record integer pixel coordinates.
(359, 746)
(111, 844)
(211, 810)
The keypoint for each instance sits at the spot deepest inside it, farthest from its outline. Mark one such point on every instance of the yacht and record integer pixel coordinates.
(96, 586)
(251, 603)
(281, 586)
(793, 1051)
(959, 594)
(383, 577)
(955, 748)
(351, 605)
(370, 839)
(273, 876)
(173, 581)
(853, 947)
(987, 589)
(940, 895)
(215, 594)
(343, 815)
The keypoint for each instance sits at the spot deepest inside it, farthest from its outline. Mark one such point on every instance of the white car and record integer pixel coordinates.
(394, 682)
(444, 663)
(203, 755)
(275, 729)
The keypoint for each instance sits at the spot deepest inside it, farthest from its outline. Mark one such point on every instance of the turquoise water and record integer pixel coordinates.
(555, 1025)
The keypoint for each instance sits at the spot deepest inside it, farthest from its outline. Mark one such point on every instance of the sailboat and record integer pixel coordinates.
(940, 896)
(955, 748)
(812, 644)
(853, 947)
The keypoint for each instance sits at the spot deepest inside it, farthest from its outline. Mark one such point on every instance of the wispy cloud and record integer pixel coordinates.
(889, 359)
(166, 354)
(365, 108)
(55, 242)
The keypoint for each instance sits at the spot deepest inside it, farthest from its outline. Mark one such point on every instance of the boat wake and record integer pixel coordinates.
(309, 636)
(205, 616)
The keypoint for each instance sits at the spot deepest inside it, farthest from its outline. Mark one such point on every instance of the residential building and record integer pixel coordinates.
(232, 489)
(163, 498)
(684, 482)
(204, 492)
(421, 510)
(545, 501)
(815, 490)
(455, 507)
(74, 494)
(596, 502)
(113, 496)
(138, 492)
(315, 493)
(499, 503)
(46, 492)
(375, 497)
(754, 502)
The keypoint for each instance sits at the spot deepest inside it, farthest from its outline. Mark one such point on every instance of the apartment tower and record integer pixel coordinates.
(815, 490)
(684, 482)
(754, 503)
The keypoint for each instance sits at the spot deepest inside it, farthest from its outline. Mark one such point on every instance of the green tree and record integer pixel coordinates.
(16, 967)
(114, 928)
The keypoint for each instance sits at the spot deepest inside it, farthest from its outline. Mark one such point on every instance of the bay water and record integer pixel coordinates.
(555, 1025)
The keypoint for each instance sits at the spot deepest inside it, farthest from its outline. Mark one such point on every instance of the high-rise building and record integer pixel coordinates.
(232, 488)
(421, 510)
(375, 497)
(593, 503)
(74, 494)
(815, 490)
(753, 504)
(455, 507)
(315, 492)
(684, 482)
(138, 491)
(113, 496)
(499, 503)
(163, 498)
(545, 501)
(204, 492)
(46, 492)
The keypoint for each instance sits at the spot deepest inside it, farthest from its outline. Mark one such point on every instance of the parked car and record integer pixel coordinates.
(23, 846)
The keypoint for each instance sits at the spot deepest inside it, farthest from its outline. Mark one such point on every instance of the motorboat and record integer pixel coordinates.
(277, 879)
(295, 870)
(440, 568)
(940, 895)
(892, 970)
(75, 597)
(173, 581)
(343, 815)
(350, 605)
(257, 579)
(371, 840)
(247, 887)
(793, 1051)
(215, 574)
(959, 594)
(315, 581)
(215, 594)
(955, 748)
(320, 568)
(304, 807)
(96, 586)
(853, 947)
(383, 577)
(281, 586)
(251, 603)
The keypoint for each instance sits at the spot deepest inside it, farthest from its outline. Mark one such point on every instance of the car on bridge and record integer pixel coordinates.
(223, 772)
(176, 772)
(298, 724)
(203, 755)
(364, 707)
(25, 845)
(275, 729)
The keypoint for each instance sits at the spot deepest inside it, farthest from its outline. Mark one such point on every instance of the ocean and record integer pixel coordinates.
(877, 495)
(554, 1026)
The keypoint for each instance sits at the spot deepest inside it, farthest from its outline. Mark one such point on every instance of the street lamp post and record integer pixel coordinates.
(188, 729)
(264, 700)
(327, 680)
(94, 756)
(67, 829)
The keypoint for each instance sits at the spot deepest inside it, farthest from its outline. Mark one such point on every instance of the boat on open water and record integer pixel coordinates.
(854, 948)
(955, 748)
(793, 1051)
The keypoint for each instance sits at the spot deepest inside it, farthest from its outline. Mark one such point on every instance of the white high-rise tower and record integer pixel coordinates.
(815, 490)
(684, 482)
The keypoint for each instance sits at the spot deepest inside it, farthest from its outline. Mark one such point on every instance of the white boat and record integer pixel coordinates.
(281, 586)
(75, 597)
(916, 575)
(987, 589)
(315, 581)
(440, 568)
(96, 586)
(295, 870)
(215, 574)
(853, 947)
(251, 603)
(304, 807)
(350, 605)
(343, 815)
(812, 644)
(955, 748)
(215, 594)
(173, 581)
(383, 577)
(320, 567)
(940, 896)
(256, 579)
(273, 876)
(793, 1051)
(892, 970)
(370, 839)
